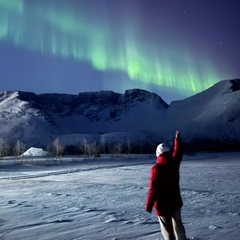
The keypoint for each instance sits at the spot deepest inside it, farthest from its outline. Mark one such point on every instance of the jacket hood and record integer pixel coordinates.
(164, 158)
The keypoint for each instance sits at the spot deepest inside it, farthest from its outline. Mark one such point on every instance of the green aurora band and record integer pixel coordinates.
(60, 30)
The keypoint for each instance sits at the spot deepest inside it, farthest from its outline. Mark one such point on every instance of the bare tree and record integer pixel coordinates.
(89, 149)
(19, 148)
(117, 149)
(4, 148)
(84, 146)
(93, 149)
(129, 147)
(56, 148)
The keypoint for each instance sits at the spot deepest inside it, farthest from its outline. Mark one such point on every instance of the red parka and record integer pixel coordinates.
(164, 191)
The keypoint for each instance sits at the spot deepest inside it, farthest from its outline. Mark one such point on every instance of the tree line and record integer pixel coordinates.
(58, 149)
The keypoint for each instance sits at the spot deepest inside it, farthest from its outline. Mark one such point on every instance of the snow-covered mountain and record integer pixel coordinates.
(207, 120)
(210, 119)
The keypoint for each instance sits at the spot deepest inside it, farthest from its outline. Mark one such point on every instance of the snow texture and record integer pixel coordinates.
(104, 198)
(35, 152)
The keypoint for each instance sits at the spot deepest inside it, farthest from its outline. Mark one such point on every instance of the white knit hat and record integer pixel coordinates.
(163, 147)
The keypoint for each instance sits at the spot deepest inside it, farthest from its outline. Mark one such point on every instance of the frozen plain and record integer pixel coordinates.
(104, 198)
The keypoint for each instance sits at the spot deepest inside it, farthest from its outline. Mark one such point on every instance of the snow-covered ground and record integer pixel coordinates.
(104, 198)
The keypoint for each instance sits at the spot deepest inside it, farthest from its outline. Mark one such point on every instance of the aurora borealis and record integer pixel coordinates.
(181, 47)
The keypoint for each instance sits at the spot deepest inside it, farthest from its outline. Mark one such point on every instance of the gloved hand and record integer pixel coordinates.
(177, 134)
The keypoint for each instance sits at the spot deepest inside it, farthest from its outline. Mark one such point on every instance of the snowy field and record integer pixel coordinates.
(104, 198)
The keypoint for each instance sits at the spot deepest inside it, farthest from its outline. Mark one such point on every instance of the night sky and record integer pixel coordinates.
(175, 48)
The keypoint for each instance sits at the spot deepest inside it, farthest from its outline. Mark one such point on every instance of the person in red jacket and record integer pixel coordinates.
(164, 190)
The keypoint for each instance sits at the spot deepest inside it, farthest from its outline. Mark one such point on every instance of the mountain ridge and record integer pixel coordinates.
(210, 117)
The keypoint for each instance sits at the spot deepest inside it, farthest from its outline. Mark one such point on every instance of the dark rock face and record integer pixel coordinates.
(235, 85)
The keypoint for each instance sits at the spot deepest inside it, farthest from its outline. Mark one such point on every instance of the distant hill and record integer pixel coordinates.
(209, 120)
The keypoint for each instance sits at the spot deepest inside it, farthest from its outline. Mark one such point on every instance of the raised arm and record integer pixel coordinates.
(177, 134)
(177, 153)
